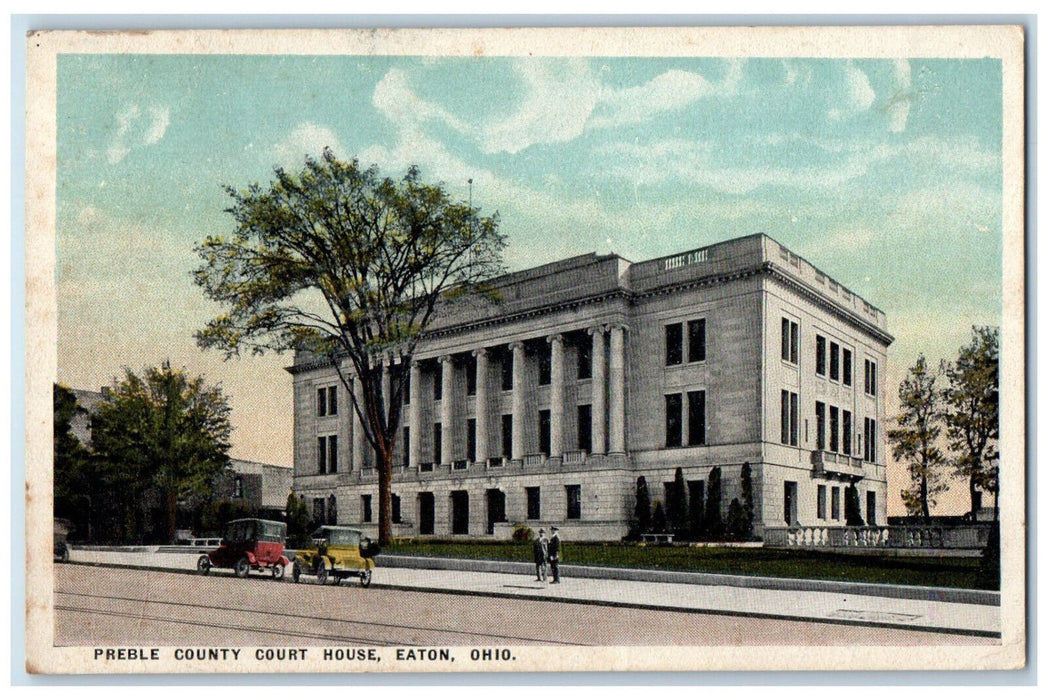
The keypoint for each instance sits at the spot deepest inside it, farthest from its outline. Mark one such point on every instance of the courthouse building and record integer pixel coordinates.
(544, 408)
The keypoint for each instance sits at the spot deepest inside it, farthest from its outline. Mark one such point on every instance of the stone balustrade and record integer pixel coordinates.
(967, 536)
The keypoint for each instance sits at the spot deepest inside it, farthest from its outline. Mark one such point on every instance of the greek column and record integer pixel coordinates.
(616, 392)
(447, 367)
(556, 396)
(415, 417)
(518, 401)
(597, 411)
(358, 428)
(482, 404)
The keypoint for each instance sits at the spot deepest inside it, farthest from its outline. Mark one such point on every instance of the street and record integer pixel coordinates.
(99, 605)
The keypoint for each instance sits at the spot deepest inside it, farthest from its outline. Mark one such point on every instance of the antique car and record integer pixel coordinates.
(338, 552)
(249, 545)
(63, 528)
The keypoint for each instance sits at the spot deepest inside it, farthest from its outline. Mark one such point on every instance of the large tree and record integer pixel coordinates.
(352, 267)
(164, 431)
(915, 439)
(72, 473)
(972, 406)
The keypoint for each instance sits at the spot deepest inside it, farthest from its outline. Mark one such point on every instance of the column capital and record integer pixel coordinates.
(480, 352)
(516, 345)
(444, 358)
(555, 338)
(618, 326)
(594, 330)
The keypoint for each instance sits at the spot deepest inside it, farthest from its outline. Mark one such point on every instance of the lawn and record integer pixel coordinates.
(948, 572)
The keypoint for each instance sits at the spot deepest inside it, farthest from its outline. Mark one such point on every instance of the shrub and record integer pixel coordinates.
(713, 522)
(852, 511)
(658, 520)
(522, 533)
(737, 526)
(642, 512)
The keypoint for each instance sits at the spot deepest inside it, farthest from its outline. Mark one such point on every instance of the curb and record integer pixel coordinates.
(881, 590)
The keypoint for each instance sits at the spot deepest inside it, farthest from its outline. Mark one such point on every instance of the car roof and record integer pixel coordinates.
(255, 520)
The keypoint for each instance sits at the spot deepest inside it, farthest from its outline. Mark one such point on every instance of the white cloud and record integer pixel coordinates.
(860, 92)
(306, 139)
(394, 97)
(898, 107)
(667, 92)
(135, 129)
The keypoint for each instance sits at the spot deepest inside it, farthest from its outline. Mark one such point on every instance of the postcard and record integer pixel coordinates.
(525, 349)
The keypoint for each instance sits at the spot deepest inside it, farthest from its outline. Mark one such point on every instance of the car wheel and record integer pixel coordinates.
(64, 556)
(365, 578)
(322, 573)
(242, 567)
(204, 565)
(296, 572)
(278, 571)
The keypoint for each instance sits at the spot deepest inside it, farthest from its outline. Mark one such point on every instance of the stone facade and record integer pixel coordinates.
(545, 407)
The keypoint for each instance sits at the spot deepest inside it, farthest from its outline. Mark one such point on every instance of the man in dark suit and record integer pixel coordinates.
(553, 548)
(539, 547)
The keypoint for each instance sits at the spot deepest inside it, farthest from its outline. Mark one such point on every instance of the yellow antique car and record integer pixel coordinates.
(338, 552)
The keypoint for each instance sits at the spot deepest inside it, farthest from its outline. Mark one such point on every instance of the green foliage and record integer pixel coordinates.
(642, 512)
(915, 438)
(350, 266)
(72, 465)
(736, 525)
(989, 576)
(697, 515)
(972, 407)
(296, 515)
(164, 432)
(658, 518)
(713, 522)
(746, 477)
(522, 533)
(677, 505)
(211, 517)
(852, 508)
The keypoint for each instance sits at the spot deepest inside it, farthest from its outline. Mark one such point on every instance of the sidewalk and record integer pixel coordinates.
(932, 612)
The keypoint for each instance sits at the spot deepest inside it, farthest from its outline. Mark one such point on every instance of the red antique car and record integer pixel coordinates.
(249, 545)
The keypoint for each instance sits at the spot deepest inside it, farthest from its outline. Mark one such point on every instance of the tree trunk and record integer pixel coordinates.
(385, 481)
(971, 494)
(924, 500)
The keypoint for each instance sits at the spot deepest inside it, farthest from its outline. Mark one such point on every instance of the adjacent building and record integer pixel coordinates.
(591, 371)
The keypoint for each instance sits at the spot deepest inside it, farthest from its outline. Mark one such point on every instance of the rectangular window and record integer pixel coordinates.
(674, 344)
(835, 429)
(322, 401)
(318, 511)
(871, 378)
(332, 448)
(673, 420)
(790, 340)
(544, 366)
(507, 435)
(407, 445)
(846, 369)
(696, 417)
(795, 419)
(835, 503)
(820, 503)
(365, 508)
(534, 502)
(585, 361)
(789, 502)
(506, 368)
(574, 494)
(394, 508)
(835, 362)
(871, 508)
(321, 455)
(585, 428)
(869, 438)
(697, 340)
(438, 437)
(544, 431)
(820, 425)
(438, 383)
(820, 356)
(471, 376)
(846, 432)
(788, 415)
(471, 439)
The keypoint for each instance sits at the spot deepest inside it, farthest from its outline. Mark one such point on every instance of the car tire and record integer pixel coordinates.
(365, 578)
(278, 571)
(204, 565)
(242, 568)
(296, 572)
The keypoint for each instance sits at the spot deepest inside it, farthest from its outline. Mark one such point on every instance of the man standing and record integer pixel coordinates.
(540, 548)
(553, 549)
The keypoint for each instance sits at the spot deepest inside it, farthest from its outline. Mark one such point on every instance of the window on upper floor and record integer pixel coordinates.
(697, 340)
(789, 409)
(870, 378)
(835, 362)
(790, 340)
(545, 363)
(585, 361)
(846, 367)
(674, 344)
(820, 425)
(696, 418)
(820, 356)
(673, 420)
(327, 401)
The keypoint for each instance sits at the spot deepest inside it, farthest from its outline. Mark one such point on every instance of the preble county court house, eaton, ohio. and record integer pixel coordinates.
(591, 371)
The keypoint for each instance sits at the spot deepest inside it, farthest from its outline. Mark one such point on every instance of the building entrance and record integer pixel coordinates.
(496, 509)
(425, 513)
(459, 513)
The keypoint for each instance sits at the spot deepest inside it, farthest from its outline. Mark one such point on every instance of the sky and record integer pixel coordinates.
(885, 174)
